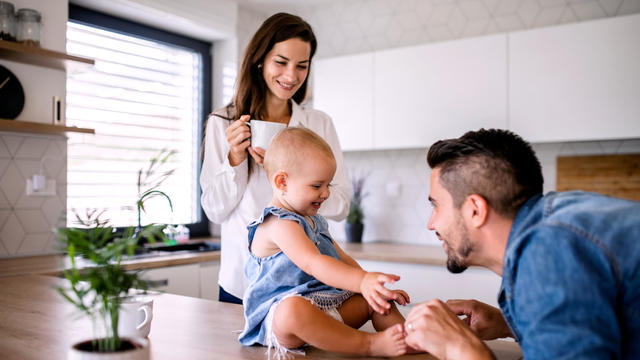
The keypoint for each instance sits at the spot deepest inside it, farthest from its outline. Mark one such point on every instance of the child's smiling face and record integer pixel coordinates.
(307, 185)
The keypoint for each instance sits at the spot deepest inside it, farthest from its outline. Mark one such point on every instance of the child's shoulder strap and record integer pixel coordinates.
(279, 213)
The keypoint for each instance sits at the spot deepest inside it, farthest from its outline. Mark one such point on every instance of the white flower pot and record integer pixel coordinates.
(142, 351)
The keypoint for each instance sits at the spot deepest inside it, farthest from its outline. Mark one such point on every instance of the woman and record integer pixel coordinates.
(271, 84)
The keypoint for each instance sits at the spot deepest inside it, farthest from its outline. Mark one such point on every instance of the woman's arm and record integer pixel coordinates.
(337, 205)
(222, 184)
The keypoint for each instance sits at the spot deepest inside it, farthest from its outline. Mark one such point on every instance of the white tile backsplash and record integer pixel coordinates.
(27, 222)
(403, 218)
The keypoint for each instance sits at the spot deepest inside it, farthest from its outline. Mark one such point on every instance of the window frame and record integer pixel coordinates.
(82, 15)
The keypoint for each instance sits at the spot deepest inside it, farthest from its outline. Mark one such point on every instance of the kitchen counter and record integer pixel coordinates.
(396, 252)
(377, 251)
(36, 323)
(53, 264)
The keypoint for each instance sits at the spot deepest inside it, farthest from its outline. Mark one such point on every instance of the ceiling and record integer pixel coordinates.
(270, 5)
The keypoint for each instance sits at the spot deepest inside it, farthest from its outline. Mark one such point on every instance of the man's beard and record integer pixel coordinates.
(455, 258)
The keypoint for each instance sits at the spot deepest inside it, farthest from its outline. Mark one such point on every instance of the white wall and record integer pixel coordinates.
(26, 222)
(366, 25)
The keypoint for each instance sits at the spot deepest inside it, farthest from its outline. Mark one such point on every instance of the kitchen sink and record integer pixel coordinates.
(153, 250)
(192, 247)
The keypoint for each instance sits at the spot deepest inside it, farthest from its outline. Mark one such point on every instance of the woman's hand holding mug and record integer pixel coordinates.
(239, 139)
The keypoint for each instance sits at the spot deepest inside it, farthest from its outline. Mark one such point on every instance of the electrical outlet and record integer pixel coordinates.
(49, 188)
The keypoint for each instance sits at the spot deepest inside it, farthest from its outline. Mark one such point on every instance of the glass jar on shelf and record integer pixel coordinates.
(7, 21)
(28, 27)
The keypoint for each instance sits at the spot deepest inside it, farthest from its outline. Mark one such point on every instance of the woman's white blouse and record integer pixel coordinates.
(233, 202)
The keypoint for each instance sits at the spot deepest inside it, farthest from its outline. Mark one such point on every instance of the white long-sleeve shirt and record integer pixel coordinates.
(233, 202)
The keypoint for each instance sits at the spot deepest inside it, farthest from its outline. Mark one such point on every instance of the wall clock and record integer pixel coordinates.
(11, 95)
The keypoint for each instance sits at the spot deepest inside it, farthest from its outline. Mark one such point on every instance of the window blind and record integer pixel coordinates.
(141, 97)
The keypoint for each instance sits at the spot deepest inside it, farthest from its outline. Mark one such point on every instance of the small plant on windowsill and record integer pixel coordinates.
(354, 225)
(150, 179)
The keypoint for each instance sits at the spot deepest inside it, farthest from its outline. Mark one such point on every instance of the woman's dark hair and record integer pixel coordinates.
(495, 164)
(251, 89)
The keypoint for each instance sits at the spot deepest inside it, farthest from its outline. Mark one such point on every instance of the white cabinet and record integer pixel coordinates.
(426, 282)
(577, 81)
(209, 280)
(196, 280)
(430, 92)
(343, 88)
(179, 280)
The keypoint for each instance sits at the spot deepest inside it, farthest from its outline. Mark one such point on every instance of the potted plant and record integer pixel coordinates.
(97, 287)
(354, 225)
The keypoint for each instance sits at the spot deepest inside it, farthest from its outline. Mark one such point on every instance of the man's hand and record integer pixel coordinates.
(433, 328)
(377, 295)
(485, 320)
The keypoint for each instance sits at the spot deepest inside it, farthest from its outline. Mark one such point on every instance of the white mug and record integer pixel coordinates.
(136, 313)
(263, 131)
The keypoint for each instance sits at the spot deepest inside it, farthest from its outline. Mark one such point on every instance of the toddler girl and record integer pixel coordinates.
(304, 289)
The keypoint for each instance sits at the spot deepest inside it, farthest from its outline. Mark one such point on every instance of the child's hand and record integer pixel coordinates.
(377, 295)
(402, 297)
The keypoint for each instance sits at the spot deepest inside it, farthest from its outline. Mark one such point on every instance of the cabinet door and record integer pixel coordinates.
(577, 81)
(209, 280)
(342, 88)
(426, 282)
(179, 280)
(430, 92)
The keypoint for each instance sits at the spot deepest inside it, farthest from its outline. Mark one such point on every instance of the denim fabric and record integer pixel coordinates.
(571, 277)
(273, 277)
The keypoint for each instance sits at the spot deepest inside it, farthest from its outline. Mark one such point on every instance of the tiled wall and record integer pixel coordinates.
(403, 218)
(347, 27)
(355, 26)
(26, 222)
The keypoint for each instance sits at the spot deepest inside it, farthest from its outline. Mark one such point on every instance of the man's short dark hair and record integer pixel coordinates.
(495, 164)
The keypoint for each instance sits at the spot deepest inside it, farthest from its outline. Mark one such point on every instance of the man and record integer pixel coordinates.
(570, 262)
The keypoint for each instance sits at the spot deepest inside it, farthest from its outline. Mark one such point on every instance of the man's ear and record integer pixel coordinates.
(280, 180)
(476, 210)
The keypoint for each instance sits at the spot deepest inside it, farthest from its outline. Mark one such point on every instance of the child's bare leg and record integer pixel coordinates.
(381, 322)
(297, 322)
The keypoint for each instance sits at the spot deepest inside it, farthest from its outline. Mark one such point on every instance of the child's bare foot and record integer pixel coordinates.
(389, 342)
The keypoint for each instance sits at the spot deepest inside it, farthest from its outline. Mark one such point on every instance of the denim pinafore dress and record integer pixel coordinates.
(274, 277)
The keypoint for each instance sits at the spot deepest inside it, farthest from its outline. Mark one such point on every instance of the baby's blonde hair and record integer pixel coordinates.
(291, 147)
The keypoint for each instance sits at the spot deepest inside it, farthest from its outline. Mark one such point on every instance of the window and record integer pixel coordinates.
(149, 91)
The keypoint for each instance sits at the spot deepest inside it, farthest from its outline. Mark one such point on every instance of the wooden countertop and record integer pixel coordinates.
(53, 264)
(376, 251)
(36, 323)
(396, 252)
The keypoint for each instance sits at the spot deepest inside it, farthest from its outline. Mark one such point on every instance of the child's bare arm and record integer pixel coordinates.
(345, 257)
(292, 240)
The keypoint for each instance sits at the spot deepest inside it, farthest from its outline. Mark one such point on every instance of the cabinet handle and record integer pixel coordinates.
(158, 283)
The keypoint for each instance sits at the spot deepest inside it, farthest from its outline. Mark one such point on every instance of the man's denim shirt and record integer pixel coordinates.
(571, 277)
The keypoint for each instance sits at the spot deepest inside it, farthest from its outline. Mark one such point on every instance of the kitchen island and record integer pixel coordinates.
(36, 323)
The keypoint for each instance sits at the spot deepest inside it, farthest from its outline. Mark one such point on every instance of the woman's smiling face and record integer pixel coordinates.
(286, 67)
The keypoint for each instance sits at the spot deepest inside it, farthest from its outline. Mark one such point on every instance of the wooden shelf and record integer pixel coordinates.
(32, 127)
(34, 55)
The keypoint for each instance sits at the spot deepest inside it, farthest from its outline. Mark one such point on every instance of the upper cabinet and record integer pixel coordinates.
(426, 93)
(343, 88)
(572, 82)
(576, 82)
